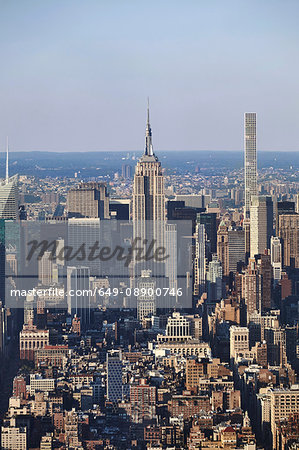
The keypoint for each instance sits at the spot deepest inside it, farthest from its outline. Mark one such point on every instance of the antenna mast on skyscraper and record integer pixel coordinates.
(6, 173)
(148, 116)
(148, 135)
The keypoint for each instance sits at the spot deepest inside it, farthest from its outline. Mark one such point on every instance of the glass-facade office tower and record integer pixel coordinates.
(87, 232)
(78, 296)
(250, 168)
(209, 221)
(9, 198)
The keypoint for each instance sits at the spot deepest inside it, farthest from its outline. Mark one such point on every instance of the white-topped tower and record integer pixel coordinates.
(250, 166)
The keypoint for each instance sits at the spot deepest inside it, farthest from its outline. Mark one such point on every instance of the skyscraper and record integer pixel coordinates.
(148, 206)
(126, 171)
(114, 375)
(146, 301)
(3, 328)
(9, 209)
(261, 224)
(200, 260)
(2, 259)
(222, 247)
(214, 280)
(276, 257)
(266, 272)
(246, 228)
(250, 168)
(45, 269)
(85, 231)
(236, 248)
(289, 233)
(209, 221)
(88, 200)
(171, 249)
(148, 187)
(9, 198)
(283, 208)
(9, 195)
(78, 296)
(251, 288)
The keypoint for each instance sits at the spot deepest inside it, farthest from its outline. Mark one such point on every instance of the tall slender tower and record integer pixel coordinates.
(149, 224)
(250, 168)
(148, 187)
(9, 194)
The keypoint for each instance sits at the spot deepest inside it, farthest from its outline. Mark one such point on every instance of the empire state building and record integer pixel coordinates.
(148, 223)
(148, 187)
(151, 227)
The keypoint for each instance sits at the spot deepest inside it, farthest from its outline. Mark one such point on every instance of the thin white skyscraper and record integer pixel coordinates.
(250, 168)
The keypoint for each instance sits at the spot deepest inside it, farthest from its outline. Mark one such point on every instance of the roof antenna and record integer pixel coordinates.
(148, 135)
(7, 148)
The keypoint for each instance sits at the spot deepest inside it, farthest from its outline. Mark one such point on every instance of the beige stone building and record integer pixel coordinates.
(284, 402)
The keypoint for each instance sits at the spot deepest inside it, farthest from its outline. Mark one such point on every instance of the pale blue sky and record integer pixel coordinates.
(75, 75)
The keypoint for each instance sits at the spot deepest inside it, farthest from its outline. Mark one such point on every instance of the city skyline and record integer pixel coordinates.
(149, 289)
(203, 351)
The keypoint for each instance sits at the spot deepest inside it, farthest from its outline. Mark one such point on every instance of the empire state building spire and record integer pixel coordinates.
(148, 135)
(6, 172)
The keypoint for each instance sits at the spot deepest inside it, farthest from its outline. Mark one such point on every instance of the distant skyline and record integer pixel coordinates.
(75, 76)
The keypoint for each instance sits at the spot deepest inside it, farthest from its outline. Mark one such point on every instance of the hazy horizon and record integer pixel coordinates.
(140, 151)
(76, 75)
